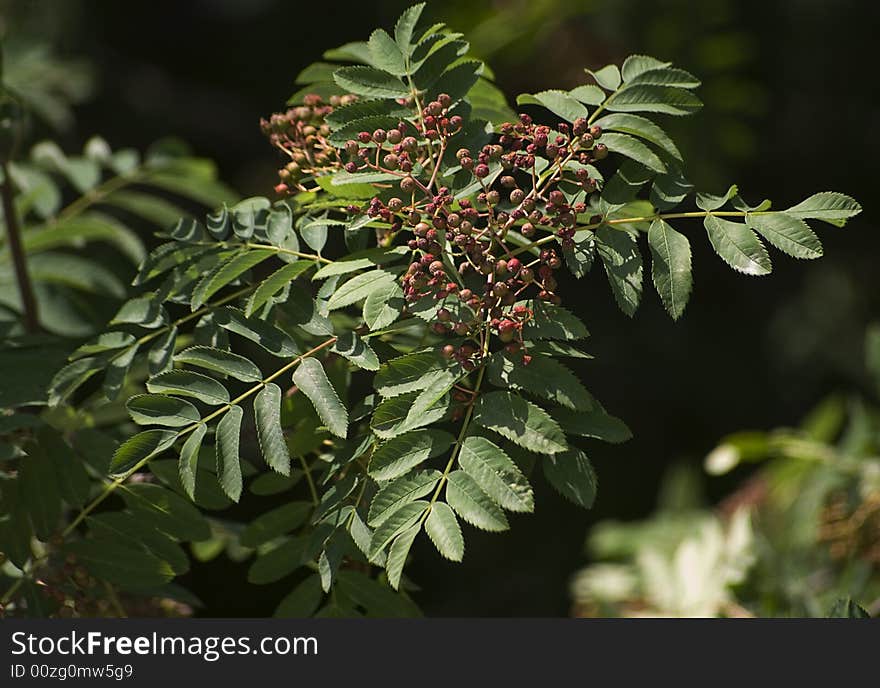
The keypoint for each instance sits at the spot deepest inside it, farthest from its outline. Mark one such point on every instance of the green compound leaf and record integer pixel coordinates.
(267, 412)
(399, 455)
(789, 234)
(520, 421)
(670, 266)
(400, 492)
(496, 474)
(219, 361)
(186, 383)
(828, 206)
(738, 246)
(572, 475)
(159, 409)
(472, 504)
(444, 531)
(312, 381)
(228, 464)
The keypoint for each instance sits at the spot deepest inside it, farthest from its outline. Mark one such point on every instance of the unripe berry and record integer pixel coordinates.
(352, 147)
(351, 167)
(421, 229)
(435, 267)
(379, 136)
(448, 351)
(444, 99)
(493, 197)
(513, 265)
(467, 163)
(526, 275)
(508, 182)
(528, 229)
(462, 153)
(394, 136)
(409, 144)
(443, 315)
(600, 151)
(595, 131)
(453, 219)
(456, 122)
(364, 137)
(408, 184)
(517, 196)
(395, 204)
(500, 289)
(481, 170)
(390, 161)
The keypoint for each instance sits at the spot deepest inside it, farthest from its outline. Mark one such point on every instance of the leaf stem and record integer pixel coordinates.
(309, 480)
(19, 260)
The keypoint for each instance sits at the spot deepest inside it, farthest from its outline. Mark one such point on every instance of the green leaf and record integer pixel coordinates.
(274, 523)
(273, 339)
(608, 77)
(219, 361)
(496, 474)
(589, 94)
(443, 529)
(472, 504)
(312, 381)
(670, 266)
(159, 409)
(596, 423)
(109, 341)
(302, 601)
(139, 447)
(370, 82)
(666, 76)
(845, 608)
(738, 246)
(115, 563)
(267, 411)
(406, 24)
(361, 260)
(398, 553)
(186, 383)
(229, 271)
(69, 472)
(558, 102)
(393, 416)
(411, 372)
(278, 562)
(458, 80)
(356, 350)
(635, 65)
(520, 421)
(160, 355)
(402, 519)
(572, 475)
(543, 377)
(359, 287)
(789, 234)
(228, 464)
(275, 283)
(828, 206)
(633, 149)
(38, 491)
(125, 529)
(650, 98)
(187, 467)
(639, 126)
(399, 455)
(622, 259)
(707, 201)
(383, 306)
(385, 53)
(167, 511)
(398, 493)
(552, 322)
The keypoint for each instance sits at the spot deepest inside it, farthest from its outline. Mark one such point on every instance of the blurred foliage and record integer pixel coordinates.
(800, 535)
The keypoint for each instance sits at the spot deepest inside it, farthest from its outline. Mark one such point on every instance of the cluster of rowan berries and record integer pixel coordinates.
(302, 134)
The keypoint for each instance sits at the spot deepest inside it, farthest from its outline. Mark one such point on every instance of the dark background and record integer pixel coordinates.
(792, 107)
